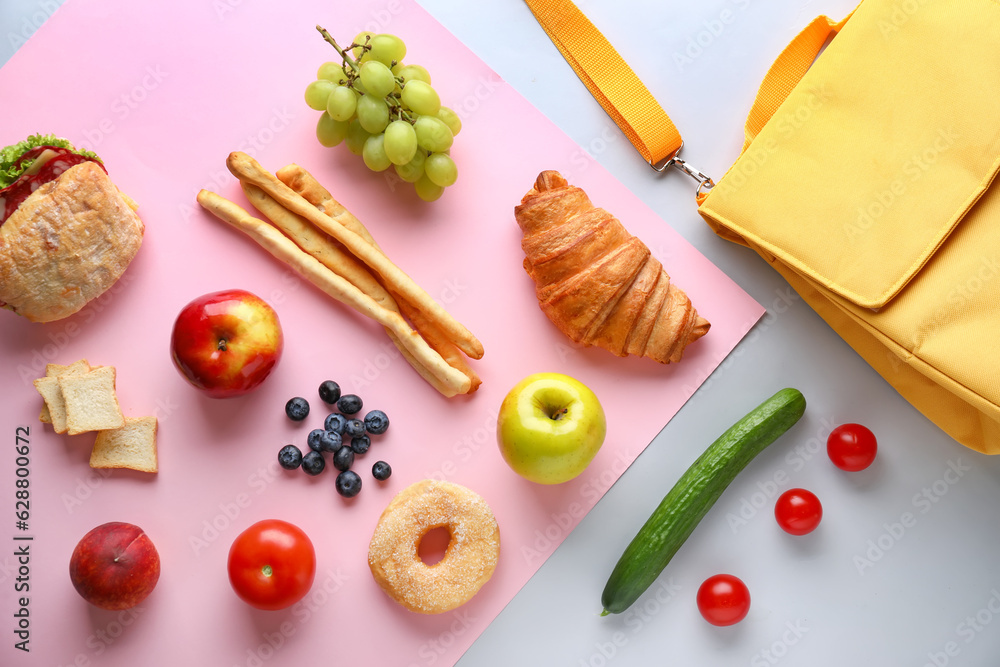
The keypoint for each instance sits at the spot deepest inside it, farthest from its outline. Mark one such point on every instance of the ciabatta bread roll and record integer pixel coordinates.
(67, 234)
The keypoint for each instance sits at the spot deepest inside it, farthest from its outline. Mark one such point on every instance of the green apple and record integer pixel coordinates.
(550, 427)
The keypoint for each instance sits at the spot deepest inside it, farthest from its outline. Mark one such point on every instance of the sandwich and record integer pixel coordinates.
(66, 232)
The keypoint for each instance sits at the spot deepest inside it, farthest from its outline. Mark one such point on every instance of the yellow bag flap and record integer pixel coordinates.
(878, 153)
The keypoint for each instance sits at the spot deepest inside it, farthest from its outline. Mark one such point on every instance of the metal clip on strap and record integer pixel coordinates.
(615, 86)
(705, 181)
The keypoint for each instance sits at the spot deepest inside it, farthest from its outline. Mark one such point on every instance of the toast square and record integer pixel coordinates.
(132, 446)
(91, 402)
(54, 410)
(54, 371)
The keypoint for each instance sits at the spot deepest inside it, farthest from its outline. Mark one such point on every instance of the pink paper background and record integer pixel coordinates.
(164, 92)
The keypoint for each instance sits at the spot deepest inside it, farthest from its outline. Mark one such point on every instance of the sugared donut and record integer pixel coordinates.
(468, 562)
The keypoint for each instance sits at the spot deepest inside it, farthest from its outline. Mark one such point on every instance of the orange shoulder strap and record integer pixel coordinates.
(630, 104)
(610, 80)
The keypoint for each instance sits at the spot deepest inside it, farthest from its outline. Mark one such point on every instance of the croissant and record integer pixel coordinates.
(597, 283)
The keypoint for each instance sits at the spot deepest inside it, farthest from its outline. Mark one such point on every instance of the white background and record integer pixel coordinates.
(864, 589)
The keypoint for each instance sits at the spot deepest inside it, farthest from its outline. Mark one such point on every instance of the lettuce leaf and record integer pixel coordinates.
(10, 155)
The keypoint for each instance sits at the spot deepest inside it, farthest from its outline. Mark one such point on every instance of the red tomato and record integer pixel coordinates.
(851, 447)
(798, 511)
(723, 599)
(272, 564)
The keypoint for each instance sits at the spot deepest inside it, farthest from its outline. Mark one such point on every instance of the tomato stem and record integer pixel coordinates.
(267, 570)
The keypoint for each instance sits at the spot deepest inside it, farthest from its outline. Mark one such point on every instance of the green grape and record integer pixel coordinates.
(432, 134)
(359, 99)
(377, 78)
(342, 103)
(400, 142)
(412, 72)
(450, 119)
(361, 39)
(421, 98)
(356, 137)
(373, 113)
(427, 189)
(330, 132)
(441, 169)
(374, 153)
(331, 71)
(317, 93)
(387, 49)
(414, 169)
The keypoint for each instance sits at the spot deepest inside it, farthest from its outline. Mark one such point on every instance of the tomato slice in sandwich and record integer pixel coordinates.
(49, 163)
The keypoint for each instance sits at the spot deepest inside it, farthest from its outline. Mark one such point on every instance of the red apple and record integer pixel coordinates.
(115, 566)
(226, 343)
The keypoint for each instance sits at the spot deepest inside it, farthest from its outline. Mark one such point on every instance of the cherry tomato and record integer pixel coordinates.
(798, 511)
(851, 447)
(272, 564)
(723, 599)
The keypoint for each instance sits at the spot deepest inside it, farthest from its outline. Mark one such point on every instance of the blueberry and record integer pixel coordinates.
(343, 458)
(348, 484)
(349, 404)
(381, 470)
(330, 441)
(335, 422)
(314, 438)
(354, 428)
(360, 444)
(313, 463)
(376, 422)
(297, 408)
(290, 457)
(329, 391)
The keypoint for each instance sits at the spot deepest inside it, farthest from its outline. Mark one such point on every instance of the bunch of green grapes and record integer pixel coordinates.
(386, 112)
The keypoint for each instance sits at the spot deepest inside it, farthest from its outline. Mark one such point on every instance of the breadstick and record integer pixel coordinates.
(300, 180)
(276, 243)
(246, 168)
(318, 244)
(440, 343)
(332, 255)
(426, 373)
(305, 184)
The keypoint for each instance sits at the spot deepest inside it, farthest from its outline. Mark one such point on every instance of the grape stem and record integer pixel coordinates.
(394, 104)
(343, 54)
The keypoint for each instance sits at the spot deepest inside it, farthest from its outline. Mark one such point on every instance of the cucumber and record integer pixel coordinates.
(694, 494)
